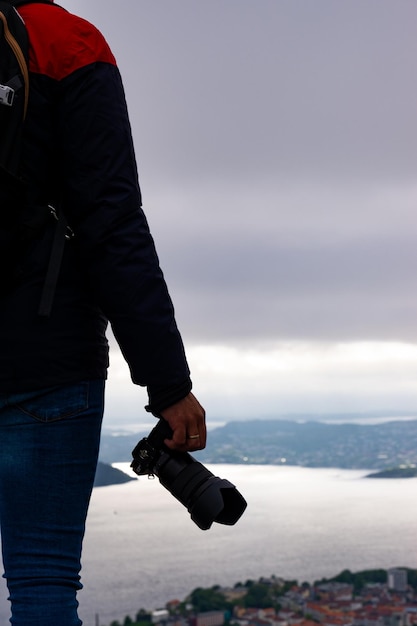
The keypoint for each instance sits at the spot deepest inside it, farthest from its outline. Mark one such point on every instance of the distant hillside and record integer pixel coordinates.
(396, 472)
(108, 475)
(308, 444)
(118, 448)
(314, 444)
(362, 578)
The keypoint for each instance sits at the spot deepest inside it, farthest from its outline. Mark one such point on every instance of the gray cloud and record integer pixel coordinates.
(324, 294)
(232, 88)
(277, 145)
(316, 263)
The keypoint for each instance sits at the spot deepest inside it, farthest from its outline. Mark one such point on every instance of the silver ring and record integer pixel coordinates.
(193, 437)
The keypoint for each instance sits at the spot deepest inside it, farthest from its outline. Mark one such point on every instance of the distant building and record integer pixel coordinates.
(172, 605)
(397, 579)
(210, 618)
(234, 593)
(335, 591)
(159, 616)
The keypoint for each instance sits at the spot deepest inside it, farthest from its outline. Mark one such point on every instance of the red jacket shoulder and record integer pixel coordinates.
(60, 42)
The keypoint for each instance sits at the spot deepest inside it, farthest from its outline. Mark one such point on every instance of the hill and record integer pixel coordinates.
(108, 475)
(396, 472)
(314, 444)
(308, 444)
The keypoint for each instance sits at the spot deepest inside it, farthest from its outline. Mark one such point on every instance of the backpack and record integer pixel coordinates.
(18, 230)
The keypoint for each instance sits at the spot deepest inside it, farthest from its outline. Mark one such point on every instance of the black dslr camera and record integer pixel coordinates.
(208, 498)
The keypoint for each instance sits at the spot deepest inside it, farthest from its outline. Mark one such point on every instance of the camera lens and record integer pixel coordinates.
(208, 498)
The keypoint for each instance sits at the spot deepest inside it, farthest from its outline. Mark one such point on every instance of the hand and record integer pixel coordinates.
(187, 419)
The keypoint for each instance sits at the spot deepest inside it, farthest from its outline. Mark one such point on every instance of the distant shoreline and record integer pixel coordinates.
(395, 472)
(301, 443)
(115, 429)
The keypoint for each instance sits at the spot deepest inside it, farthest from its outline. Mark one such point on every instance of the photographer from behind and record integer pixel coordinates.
(78, 157)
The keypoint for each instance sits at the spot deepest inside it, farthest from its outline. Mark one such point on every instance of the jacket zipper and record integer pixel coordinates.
(20, 58)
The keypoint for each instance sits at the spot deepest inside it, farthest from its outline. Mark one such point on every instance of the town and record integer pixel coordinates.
(369, 598)
(303, 443)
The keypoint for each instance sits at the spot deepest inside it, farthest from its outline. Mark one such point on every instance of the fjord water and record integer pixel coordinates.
(142, 549)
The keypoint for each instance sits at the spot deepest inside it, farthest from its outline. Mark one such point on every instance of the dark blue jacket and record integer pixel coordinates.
(78, 153)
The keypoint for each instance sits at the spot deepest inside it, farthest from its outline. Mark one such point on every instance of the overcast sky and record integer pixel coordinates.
(277, 146)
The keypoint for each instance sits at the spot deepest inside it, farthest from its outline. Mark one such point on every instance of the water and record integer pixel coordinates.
(142, 549)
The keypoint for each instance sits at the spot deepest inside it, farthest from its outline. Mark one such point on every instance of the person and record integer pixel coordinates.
(77, 156)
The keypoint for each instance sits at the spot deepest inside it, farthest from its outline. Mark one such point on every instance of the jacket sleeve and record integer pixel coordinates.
(102, 203)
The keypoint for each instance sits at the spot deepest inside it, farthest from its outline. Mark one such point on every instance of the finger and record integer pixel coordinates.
(178, 440)
(187, 421)
(197, 442)
(193, 443)
(186, 442)
(203, 434)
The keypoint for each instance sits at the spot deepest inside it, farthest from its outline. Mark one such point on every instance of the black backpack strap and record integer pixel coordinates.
(62, 233)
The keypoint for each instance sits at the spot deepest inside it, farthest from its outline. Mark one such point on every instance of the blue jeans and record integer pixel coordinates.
(49, 441)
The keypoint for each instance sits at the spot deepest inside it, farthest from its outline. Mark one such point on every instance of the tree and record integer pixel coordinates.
(259, 596)
(208, 600)
(143, 616)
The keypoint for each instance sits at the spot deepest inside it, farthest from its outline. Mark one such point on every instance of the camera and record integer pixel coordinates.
(208, 498)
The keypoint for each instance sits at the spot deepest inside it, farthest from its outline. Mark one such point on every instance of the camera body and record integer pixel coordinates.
(208, 498)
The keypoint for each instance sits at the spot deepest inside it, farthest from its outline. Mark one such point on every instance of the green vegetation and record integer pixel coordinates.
(360, 579)
(260, 596)
(143, 618)
(264, 593)
(212, 599)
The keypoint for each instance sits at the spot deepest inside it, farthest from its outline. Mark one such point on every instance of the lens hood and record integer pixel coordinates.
(217, 500)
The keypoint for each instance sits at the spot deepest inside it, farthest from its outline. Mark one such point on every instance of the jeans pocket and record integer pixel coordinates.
(56, 403)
